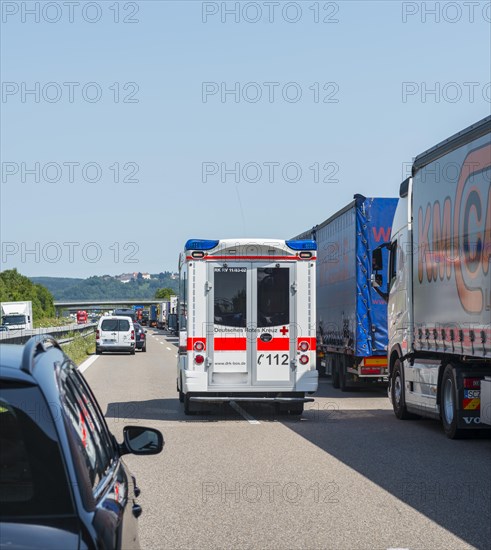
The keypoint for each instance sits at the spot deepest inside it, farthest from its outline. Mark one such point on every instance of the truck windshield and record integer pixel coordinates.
(14, 320)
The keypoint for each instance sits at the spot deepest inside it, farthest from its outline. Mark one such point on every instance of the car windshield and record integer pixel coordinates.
(32, 475)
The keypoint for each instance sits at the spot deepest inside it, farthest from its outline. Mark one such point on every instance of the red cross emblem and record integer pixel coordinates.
(283, 330)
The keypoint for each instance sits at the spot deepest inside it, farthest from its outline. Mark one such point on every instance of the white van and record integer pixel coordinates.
(115, 333)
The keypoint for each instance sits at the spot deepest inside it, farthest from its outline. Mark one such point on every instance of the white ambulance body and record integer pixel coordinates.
(247, 322)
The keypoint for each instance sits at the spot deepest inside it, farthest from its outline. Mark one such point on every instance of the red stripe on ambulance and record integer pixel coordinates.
(230, 344)
(275, 344)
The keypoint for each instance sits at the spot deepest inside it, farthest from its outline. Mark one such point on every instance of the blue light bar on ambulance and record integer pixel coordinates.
(302, 245)
(200, 244)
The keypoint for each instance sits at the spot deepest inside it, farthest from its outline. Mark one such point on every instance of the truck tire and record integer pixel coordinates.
(181, 394)
(448, 405)
(296, 409)
(397, 393)
(187, 405)
(335, 372)
(342, 375)
(98, 351)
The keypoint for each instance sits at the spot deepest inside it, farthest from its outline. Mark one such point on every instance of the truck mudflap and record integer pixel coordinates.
(486, 400)
(474, 400)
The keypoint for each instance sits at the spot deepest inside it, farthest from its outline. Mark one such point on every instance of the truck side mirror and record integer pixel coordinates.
(377, 261)
(376, 280)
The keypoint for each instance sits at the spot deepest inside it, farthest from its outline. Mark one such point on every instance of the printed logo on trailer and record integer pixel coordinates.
(460, 241)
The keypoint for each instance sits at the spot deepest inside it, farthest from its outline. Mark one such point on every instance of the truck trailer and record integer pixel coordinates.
(351, 316)
(437, 280)
(82, 317)
(164, 310)
(162, 314)
(152, 316)
(17, 315)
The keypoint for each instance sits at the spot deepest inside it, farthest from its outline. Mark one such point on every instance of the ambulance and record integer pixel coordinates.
(246, 314)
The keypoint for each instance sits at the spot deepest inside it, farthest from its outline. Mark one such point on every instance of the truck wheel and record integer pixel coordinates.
(397, 393)
(187, 405)
(448, 405)
(132, 352)
(98, 351)
(342, 376)
(296, 409)
(335, 373)
(181, 394)
(144, 348)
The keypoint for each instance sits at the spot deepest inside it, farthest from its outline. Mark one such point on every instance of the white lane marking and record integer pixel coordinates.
(170, 349)
(244, 413)
(86, 364)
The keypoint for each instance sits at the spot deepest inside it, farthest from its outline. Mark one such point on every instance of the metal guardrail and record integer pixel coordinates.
(21, 336)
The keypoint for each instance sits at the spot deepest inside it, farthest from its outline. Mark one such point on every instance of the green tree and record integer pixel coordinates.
(15, 287)
(164, 293)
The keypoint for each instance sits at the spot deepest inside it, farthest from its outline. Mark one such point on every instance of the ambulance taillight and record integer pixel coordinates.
(304, 346)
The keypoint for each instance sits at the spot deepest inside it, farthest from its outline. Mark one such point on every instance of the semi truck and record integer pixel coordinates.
(164, 310)
(152, 316)
(138, 313)
(82, 317)
(437, 280)
(144, 319)
(351, 316)
(126, 312)
(162, 315)
(17, 315)
(247, 323)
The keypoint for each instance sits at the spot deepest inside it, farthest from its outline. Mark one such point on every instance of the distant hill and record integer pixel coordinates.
(106, 287)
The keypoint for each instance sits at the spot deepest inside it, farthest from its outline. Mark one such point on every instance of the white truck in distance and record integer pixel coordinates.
(164, 309)
(438, 285)
(17, 315)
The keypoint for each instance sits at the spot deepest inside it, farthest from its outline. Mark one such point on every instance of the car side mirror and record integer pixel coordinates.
(139, 440)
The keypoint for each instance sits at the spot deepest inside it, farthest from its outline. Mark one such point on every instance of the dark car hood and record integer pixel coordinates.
(28, 536)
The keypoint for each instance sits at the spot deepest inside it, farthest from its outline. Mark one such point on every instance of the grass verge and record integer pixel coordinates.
(80, 348)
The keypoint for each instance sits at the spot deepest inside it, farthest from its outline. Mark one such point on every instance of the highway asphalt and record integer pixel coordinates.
(346, 475)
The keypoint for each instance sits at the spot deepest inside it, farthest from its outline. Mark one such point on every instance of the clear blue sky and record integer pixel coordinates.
(362, 138)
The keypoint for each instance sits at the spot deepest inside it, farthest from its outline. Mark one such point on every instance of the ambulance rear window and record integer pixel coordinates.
(273, 296)
(230, 297)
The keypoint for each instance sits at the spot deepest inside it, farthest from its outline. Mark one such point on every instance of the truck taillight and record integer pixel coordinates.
(199, 346)
(132, 334)
(304, 359)
(472, 383)
(199, 359)
(142, 336)
(97, 334)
